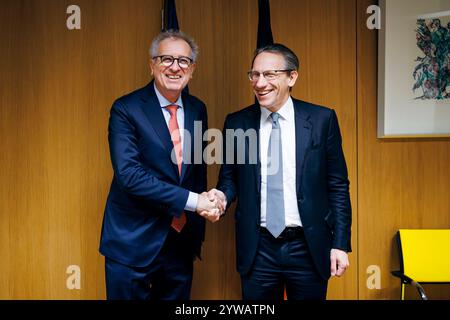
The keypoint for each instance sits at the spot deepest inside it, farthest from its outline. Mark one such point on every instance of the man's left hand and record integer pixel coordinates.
(339, 262)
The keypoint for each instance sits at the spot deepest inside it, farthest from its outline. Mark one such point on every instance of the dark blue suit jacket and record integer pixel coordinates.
(146, 190)
(322, 184)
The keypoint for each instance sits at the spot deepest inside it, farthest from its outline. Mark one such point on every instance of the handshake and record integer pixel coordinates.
(211, 205)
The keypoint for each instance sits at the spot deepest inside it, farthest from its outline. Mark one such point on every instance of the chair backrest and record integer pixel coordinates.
(425, 254)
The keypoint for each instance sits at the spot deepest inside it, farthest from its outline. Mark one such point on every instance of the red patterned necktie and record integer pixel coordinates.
(177, 222)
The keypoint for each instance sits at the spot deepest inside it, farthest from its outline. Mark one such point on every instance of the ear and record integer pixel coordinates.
(193, 66)
(151, 64)
(293, 78)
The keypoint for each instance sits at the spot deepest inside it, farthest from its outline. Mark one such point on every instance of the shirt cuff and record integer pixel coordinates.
(191, 203)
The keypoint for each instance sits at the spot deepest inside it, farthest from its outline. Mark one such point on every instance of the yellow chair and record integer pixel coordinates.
(424, 258)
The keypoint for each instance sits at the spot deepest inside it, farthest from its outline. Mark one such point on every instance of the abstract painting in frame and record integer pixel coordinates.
(414, 69)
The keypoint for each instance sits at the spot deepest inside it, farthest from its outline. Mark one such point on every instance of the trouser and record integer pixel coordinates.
(168, 277)
(283, 263)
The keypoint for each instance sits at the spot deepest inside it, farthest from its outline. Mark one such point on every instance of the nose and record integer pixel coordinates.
(175, 67)
(261, 82)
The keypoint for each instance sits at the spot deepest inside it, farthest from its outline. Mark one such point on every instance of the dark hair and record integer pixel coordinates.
(290, 58)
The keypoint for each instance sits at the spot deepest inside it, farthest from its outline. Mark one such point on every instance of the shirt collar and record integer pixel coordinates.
(286, 112)
(163, 102)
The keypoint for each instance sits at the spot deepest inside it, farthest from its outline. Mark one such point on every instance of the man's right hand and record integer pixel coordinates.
(220, 197)
(208, 208)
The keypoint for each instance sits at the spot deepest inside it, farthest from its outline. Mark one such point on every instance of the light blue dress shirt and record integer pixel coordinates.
(191, 203)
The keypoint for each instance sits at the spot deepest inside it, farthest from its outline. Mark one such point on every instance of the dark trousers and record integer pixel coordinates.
(283, 262)
(168, 277)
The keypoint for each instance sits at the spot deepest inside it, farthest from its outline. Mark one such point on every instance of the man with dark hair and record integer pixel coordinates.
(293, 213)
(154, 224)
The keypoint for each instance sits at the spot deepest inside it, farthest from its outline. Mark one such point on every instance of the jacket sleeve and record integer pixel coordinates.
(131, 173)
(338, 187)
(202, 177)
(227, 175)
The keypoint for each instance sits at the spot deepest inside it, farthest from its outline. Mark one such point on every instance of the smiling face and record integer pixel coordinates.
(274, 93)
(171, 80)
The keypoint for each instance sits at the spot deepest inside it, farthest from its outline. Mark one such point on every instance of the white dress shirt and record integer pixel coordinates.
(287, 126)
(191, 203)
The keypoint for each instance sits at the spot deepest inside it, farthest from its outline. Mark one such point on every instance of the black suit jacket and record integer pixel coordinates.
(146, 191)
(321, 183)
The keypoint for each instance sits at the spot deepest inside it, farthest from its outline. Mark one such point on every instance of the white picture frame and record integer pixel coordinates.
(402, 112)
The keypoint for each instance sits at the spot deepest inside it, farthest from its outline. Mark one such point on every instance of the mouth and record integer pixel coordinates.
(173, 77)
(263, 93)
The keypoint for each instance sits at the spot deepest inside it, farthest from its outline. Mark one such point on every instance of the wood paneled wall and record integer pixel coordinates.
(402, 183)
(56, 89)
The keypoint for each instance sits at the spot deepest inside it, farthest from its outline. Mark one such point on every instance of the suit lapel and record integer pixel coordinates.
(188, 128)
(253, 122)
(152, 110)
(303, 129)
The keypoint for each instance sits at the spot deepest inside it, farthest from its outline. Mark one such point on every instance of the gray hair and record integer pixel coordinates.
(290, 58)
(173, 34)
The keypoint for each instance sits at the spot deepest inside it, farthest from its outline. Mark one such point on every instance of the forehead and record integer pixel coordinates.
(175, 47)
(268, 61)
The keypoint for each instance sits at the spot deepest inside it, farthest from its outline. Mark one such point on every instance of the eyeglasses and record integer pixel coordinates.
(167, 61)
(268, 75)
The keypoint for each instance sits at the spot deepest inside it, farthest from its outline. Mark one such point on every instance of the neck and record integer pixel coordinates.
(276, 108)
(171, 96)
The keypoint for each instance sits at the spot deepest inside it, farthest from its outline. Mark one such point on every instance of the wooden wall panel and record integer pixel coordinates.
(403, 183)
(57, 88)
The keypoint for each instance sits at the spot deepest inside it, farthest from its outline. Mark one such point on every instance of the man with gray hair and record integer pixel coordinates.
(154, 219)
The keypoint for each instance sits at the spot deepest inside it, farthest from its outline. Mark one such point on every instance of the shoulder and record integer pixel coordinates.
(322, 118)
(133, 99)
(243, 113)
(319, 116)
(311, 110)
(194, 102)
(136, 95)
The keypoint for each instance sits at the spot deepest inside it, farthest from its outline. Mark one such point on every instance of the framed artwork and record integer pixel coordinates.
(414, 69)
